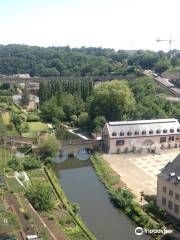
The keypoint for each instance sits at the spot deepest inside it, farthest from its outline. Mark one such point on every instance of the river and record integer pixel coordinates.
(80, 183)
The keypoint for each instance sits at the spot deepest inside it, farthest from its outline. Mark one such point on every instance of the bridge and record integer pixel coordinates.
(39, 79)
(74, 146)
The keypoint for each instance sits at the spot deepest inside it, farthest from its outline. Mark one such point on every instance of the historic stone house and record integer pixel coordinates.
(141, 135)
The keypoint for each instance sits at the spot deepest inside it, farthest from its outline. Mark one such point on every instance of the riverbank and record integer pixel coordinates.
(122, 197)
(68, 206)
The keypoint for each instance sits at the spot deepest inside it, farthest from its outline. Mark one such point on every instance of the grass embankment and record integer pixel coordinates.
(34, 128)
(67, 205)
(122, 198)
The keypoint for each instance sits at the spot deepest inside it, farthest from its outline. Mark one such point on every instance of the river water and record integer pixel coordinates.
(80, 183)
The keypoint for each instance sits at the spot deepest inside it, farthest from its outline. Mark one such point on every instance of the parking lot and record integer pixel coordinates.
(139, 172)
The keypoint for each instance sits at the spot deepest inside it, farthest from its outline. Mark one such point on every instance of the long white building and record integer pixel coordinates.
(127, 136)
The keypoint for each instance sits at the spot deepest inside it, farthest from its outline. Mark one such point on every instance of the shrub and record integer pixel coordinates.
(41, 197)
(65, 220)
(31, 163)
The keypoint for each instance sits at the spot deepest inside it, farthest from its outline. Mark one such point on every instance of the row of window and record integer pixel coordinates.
(129, 133)
(171, 194)
(169, 204)
(121, 142)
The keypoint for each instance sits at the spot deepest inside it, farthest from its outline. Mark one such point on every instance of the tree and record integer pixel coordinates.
(25, 98)
(50, 111)
(99, 122)
(83, 120)
(49, 147)
(40, 196)
(162, 65)
(113, 100)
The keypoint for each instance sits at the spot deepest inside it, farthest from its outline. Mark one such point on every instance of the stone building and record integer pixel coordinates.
(168, 188)
(141, 135)
(33, 101)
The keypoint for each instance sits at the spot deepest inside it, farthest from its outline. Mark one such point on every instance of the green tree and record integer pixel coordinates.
(162, 65)
(113, 100)
(50, 110)
(40, 196)
(99, 123)
(83, 120)
(49, 147)
(25, 98)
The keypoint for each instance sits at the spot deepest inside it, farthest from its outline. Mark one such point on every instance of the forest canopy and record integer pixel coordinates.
(66, 61)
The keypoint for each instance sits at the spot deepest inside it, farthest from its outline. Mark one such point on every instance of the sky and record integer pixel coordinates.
(118, 24)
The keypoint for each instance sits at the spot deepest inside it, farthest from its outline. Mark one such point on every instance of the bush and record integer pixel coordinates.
(41, 197)
(16, 164)
(31, 163)
(71, 231)
(65, 220)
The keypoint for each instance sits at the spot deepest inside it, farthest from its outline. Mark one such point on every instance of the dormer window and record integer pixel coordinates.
(151, 132)
(171, 130)
(165, 131)
(121, 134)
(114, 134)
(158, 131)
(136, 132)
(129, 133)
(143, 132)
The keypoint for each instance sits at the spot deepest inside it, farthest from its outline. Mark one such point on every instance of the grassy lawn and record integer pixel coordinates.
(35, 127)
(6, 118)
(14, 185)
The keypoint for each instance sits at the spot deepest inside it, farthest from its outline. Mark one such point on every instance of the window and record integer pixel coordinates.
(163, 201)
(143, 132)
(136, 133)
(164, 189)
(176, 208)
(114, 134)
(121, 134)
(151, 132)
(129, 133)
(170, 205)
(171, 130)
(120, 142)
(176, 196)
(162, 139)
(158, 131)
(178, 130)
(165, 131)
(171, 193)
(171, 138)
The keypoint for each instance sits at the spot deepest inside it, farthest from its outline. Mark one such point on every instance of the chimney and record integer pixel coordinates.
(177, 180)
(171, 175)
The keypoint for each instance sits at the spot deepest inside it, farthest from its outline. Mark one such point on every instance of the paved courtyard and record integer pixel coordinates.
(139, 172)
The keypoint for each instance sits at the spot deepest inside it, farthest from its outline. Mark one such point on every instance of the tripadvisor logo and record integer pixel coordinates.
(139, 231)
